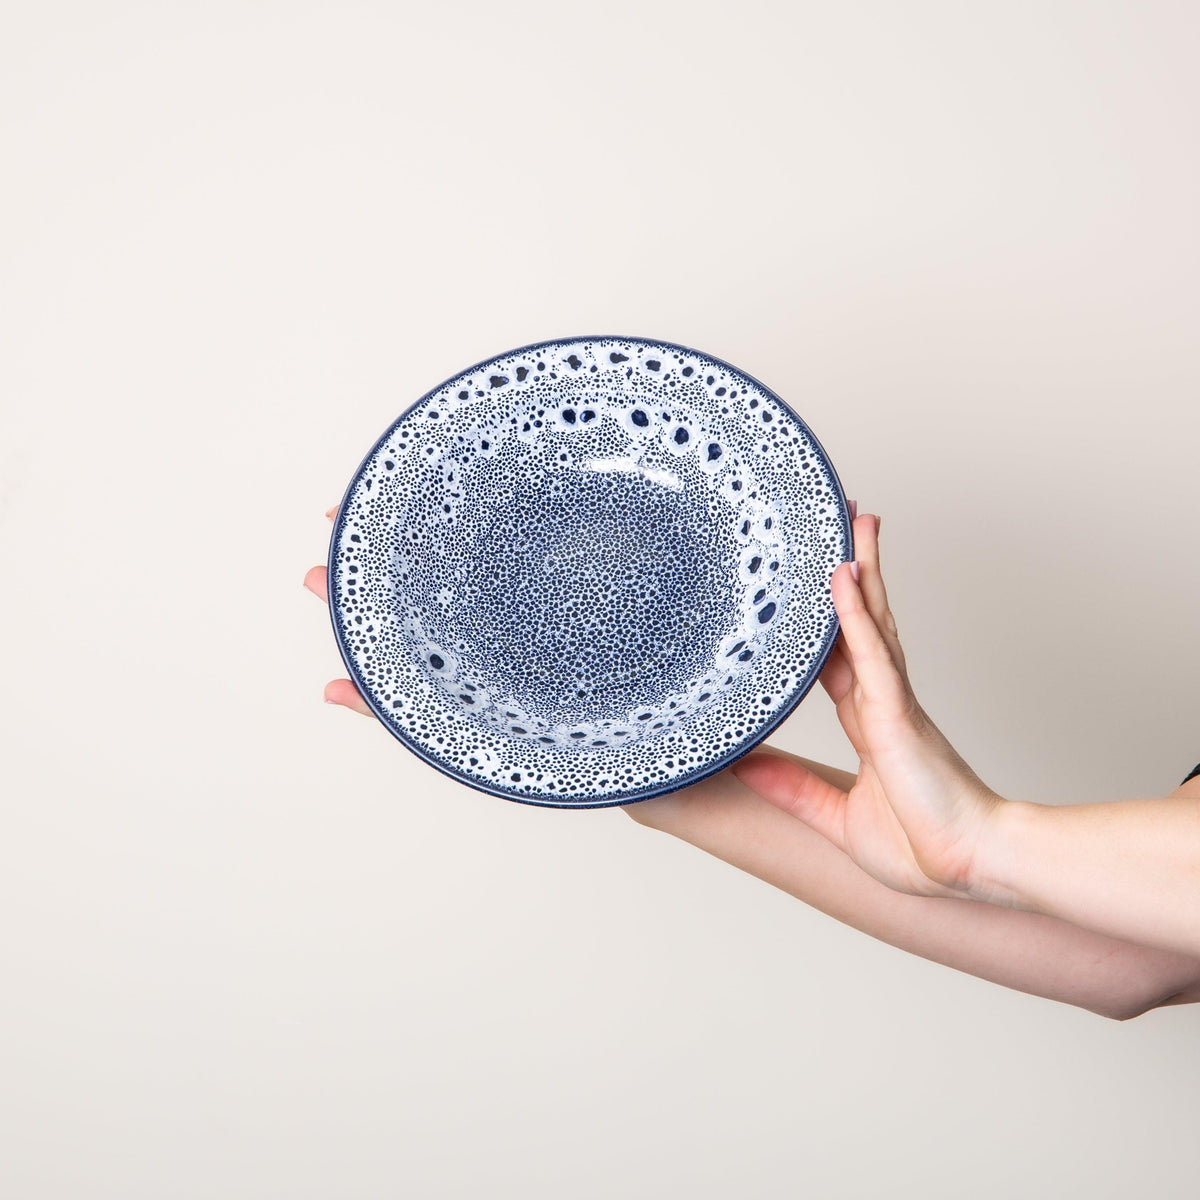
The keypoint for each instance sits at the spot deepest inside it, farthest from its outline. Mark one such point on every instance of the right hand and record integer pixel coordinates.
(916, 814)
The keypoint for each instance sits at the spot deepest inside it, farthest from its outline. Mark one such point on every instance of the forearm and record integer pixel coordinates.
(1129, 869)
(1023, 950)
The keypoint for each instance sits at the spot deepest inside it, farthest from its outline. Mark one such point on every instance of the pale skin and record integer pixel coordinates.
(1096, 905)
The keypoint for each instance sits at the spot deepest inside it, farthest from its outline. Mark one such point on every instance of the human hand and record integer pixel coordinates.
(916, 814)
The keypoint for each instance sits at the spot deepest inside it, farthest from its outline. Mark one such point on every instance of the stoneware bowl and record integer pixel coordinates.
(588, 571)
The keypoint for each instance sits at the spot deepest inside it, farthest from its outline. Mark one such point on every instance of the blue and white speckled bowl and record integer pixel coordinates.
(588, 571)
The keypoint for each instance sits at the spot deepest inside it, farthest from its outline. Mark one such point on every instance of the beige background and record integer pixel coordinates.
(250, 946)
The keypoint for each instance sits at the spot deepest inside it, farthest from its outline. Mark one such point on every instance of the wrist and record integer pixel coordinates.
(994, 875)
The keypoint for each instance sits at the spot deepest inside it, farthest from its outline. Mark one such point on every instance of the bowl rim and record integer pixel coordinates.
(743, 748)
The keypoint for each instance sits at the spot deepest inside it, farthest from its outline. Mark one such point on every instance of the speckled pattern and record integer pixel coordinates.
(588, 571)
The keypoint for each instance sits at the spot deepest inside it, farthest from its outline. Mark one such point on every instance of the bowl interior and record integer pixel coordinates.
(583, 590)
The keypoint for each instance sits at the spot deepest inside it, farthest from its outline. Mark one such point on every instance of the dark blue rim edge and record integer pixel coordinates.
(758, 738)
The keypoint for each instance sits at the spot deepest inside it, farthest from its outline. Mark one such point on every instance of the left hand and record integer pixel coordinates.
(337, 691)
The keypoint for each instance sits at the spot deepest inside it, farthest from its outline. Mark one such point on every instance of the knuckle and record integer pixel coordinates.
(881, 651)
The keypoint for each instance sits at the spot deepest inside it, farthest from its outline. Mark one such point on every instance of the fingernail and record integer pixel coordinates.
(853, 509)
(330, 701)
(878, 522)
(854, 570)
(332, 512)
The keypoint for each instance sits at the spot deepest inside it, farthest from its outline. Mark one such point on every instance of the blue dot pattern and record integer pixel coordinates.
(588, 571)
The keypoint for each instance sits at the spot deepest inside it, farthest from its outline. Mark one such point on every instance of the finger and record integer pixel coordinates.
(792, 787)
(332, 512)
(650, 812)
(847, 714)
(317, 582)
(343, 692)
(837, 676)
(875, 669)
(866, 549)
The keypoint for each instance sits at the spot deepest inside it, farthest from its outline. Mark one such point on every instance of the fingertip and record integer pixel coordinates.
(344, 694)
(316, 580)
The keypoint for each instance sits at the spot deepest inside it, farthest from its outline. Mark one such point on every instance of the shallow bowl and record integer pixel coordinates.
(588, 571)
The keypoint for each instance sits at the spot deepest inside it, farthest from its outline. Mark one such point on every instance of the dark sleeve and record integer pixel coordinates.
(1193, 774)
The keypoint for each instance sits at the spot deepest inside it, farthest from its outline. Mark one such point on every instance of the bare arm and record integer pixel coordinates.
(1128, 868)
(1027, 951)
(1019, 949)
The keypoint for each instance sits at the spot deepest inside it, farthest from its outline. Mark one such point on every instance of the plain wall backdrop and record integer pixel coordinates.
(250, 947)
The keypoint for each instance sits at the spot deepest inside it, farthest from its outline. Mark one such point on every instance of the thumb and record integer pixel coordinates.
(791, 786)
